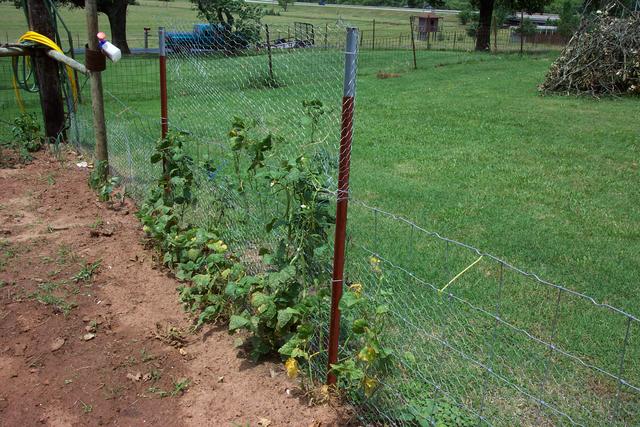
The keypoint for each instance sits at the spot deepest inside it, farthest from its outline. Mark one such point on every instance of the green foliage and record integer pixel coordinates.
(466, 16)
(284, 4)
(100, 181)
(236, 16)
(27, 136)
(277, 306)
(569, 20)
(528, 28)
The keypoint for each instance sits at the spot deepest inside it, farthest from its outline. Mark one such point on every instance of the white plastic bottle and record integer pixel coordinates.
(109, 49)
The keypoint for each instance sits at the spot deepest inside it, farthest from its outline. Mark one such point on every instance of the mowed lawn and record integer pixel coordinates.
(467, 147)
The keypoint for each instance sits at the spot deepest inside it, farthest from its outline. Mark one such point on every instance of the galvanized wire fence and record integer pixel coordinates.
(474, 340)
(485, 342)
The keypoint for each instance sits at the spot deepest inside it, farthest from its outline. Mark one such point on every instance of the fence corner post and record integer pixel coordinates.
(346, 137)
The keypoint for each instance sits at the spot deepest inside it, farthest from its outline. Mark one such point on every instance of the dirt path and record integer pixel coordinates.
(91, 332)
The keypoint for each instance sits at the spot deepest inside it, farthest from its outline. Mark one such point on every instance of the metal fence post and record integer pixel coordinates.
(164, 119)
(146, 39)
(164, 116)
(373, 37)
(266, 30)
(413, 43)
(346, 136)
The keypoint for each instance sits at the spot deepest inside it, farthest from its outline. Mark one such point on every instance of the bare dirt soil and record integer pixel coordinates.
(91, 331)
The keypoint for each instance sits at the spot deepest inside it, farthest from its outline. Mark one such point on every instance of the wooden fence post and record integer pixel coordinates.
(97, 100)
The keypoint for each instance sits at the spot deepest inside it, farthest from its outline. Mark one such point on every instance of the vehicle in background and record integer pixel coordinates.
(206, 37)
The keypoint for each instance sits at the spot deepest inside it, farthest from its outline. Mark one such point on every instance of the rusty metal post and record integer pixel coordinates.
(346, 136)
(164, 114)
(164, 118)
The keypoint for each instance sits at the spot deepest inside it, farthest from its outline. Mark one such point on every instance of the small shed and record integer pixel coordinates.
(427, 23)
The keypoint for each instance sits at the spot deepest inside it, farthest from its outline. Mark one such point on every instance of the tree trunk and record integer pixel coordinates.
(117, 15)
(483, 35)
(47, 74)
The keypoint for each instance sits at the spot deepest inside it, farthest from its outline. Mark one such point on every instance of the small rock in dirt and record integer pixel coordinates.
(135, 378)
(183, 352)
(86, 319)
(57, 344)
(273, 373)
(90, 328)
(88, 336)
(146, 377)
(221, 379)
(264, 422)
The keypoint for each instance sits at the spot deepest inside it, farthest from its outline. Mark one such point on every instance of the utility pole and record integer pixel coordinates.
(97, 101)
(47, 73)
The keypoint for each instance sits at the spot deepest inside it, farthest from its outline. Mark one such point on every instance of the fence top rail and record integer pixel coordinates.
(504, 263)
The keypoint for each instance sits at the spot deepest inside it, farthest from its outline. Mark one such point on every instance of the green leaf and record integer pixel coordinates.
(237, 322)
(298, 352)
(409, 357)
(208, 314)
(359, 326)
(284, 316)
(348, 300)
(382, 309)
(259, 298)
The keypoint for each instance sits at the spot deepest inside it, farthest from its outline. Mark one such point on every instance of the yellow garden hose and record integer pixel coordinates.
(32, 36)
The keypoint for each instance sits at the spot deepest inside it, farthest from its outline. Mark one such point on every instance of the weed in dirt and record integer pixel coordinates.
(180, 386)
(48, 294)
(155, 375)
(53, 273)
(6, 254)
(130, 361)
(145, 356)
(3, 284)
(65, 255)
(113, 392)
(97, 223)
(87, 272)
(86, 408)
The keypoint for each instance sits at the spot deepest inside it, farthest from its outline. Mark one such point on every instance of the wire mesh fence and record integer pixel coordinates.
(480, 340)
(473, 339)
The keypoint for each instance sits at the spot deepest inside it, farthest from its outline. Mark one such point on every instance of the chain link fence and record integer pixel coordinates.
(474, 340)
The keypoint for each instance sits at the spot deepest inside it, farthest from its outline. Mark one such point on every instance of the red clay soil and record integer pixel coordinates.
(113, 347)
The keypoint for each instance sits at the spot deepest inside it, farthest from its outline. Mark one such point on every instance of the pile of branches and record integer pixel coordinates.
(602, 58)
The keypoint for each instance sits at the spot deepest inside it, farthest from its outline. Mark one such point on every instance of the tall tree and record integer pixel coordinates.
(483, 33)
(486, 7)
(235, 15)
(116, 11)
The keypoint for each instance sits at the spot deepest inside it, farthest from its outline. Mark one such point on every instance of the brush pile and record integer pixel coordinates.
(602, 58)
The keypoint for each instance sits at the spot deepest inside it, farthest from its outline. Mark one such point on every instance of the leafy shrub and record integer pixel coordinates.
(27, 136)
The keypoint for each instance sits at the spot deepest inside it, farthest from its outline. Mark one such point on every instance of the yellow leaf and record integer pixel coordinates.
(356, 288)
(367, 354)
(292, 368)
(369, 385)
